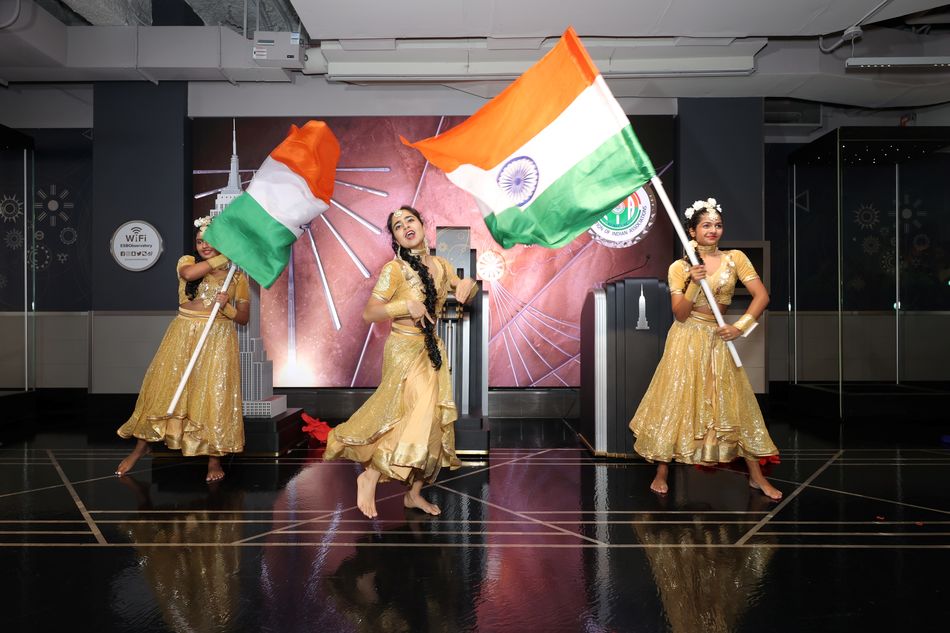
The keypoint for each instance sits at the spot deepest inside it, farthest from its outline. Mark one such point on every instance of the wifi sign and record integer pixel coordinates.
(135, 235)
(136, 245)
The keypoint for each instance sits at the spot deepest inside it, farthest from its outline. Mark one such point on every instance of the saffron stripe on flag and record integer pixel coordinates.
(518, 113)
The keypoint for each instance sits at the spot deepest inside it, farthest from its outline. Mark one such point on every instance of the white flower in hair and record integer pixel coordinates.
(699, 204)
(688, 213)
(711, 203)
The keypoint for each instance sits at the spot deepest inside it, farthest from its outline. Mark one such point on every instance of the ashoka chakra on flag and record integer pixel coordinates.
(519, 179)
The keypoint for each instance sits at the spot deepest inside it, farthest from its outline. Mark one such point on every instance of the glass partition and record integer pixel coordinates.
(17, 284)
(814, 334)
(870, 268)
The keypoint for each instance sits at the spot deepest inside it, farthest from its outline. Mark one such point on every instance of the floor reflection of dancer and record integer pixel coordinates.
(208, 418)
(400, 589)
(405, 432)
(187, 558)
(704, 585)
(699, 407)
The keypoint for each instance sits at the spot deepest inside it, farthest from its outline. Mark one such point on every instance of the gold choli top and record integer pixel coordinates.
(398, 281)
(239, 290)
(733, 266)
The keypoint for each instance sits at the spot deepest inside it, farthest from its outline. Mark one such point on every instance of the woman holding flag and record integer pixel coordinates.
(208, 418)
(699, 407)
(404, 432)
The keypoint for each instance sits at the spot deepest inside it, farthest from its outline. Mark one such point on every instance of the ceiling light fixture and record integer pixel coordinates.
(883, 63)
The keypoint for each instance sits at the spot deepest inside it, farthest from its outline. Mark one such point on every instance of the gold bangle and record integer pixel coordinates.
(692, 291)
(745, 323)
(397, 309)
(218, 261)
(229, 311)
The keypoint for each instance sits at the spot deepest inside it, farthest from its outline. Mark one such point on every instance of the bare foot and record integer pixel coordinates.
(141, 449)
(758, 481)
(659, 484)
(767, 489)
(417, 501)
(366, 492)
(215, 472)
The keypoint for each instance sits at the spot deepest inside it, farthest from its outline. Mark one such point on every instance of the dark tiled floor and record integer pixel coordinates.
(540, 537)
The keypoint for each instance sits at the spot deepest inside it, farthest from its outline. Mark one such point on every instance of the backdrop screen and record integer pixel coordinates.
(537, 293)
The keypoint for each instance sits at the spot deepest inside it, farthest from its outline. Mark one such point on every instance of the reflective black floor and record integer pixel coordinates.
(540, 537)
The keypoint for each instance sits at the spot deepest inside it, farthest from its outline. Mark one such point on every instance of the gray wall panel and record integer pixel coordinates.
(721, 154)
(141, 171)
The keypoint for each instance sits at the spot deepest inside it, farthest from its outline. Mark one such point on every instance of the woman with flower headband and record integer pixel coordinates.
(699, 407)
(208, 418)
(404, 431)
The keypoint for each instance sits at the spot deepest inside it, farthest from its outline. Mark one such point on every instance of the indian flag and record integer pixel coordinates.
(549, 156)
(292, 187)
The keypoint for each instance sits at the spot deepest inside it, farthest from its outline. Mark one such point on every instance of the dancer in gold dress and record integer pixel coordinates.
(405, 431)
(207, 419)
(699, 407)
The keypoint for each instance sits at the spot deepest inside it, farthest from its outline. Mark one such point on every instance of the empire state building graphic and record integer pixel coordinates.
(257, 372)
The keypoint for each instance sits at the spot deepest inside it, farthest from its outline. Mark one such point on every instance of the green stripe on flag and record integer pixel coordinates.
(252, 238)
(579, 198)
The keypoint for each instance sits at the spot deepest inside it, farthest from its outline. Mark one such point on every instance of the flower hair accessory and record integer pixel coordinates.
(709, 205)
(202, 223)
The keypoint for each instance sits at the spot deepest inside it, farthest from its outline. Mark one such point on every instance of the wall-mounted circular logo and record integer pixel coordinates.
(136, 245)
(628, 222)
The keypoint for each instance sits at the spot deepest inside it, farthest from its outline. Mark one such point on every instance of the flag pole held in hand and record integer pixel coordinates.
(201, 342)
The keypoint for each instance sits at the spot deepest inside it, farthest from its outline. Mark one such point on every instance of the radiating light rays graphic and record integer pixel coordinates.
(363, 222)
(517, 317)
(507, 309)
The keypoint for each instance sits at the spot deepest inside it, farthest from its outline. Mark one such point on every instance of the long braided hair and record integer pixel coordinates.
(428, 284)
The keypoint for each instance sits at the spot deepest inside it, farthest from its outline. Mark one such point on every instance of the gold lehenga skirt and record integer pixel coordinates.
(208, 417)
(405, 429)
(699, 407)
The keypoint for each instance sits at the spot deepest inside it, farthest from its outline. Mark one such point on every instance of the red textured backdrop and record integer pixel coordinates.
(535, 313)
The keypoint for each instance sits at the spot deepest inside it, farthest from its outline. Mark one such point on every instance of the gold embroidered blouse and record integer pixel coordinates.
(733, 266)
(398, 281)
(239, 290)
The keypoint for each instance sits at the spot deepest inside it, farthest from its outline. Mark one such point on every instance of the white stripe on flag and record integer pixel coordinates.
(284, 195)
(592, 118)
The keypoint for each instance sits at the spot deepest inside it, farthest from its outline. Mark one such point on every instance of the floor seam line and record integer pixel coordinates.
(764, 520)
(536, 521)
(79, 504)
